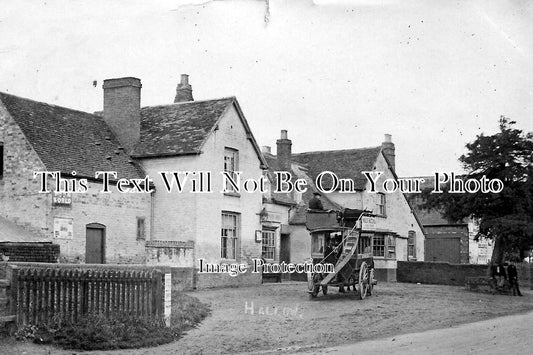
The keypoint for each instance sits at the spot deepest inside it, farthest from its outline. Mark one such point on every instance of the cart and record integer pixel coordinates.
(336, 240)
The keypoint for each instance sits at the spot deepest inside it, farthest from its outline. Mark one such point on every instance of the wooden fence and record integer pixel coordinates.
(39, 293)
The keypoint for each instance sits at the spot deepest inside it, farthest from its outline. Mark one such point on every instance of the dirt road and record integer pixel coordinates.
(281, 318)
(504, 335)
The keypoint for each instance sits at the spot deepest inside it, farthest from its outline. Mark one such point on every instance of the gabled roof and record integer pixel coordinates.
(348, 163)
(67, 140)
(183, 128)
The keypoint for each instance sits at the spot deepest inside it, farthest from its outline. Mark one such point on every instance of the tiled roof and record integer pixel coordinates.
(179, 128)
(347, 163)
(67, 140)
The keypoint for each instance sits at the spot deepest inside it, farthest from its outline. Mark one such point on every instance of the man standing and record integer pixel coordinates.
(512, 275)
(315, 203)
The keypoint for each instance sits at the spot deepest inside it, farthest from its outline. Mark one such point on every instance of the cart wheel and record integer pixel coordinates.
(371, 282)
(325, 290)
(363, 280)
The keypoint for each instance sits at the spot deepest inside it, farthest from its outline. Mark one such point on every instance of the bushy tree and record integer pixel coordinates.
(507, 216)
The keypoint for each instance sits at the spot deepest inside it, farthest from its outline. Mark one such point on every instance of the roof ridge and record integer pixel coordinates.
(47, 104)
(190, 102)
(336, 150)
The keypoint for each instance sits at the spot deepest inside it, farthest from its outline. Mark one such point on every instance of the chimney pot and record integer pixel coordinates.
(284, 151)
(389, 150)
(183, 90)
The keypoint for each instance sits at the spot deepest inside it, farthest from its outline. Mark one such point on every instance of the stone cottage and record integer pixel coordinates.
(398, 235)
(207, 147)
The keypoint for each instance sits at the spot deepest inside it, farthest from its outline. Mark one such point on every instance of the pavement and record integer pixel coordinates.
(504, 335)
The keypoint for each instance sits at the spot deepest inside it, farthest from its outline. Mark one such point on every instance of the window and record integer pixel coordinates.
(231, 166)
(411, 245)
(384, 246)
(269, 244)
(390, 241)
(1, 160)
(365, 243)
(379, 245)
(229, 235)
(317, 244)
(141, 228)
(382, 204)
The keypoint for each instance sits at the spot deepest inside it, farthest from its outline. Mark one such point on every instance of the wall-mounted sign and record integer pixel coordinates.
(368, 223)
(63, 228)
(271, 216)
(61, 198)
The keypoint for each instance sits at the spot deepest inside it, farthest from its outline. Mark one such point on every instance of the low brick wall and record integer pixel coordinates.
(40, 252)
(449, 274)
(437, 273)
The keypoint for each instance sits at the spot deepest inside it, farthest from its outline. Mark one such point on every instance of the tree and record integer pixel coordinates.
(507, 216)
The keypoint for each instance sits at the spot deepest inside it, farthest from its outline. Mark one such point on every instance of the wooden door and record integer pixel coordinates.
(95, 246)
(443, 250)
(285, 252)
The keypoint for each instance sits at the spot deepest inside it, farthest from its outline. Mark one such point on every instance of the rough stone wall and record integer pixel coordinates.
(19, 197)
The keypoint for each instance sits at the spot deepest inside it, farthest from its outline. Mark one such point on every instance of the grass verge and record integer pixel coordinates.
(99, 332)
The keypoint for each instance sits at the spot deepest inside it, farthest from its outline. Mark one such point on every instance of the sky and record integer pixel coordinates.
(335, 74)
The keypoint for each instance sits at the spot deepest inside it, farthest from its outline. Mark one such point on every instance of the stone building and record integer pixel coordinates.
(89, 227)
(209, 141)
(399, 234)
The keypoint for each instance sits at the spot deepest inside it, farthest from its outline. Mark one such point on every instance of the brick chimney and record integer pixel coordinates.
(184, 90)
(388, 149)
(284, 151)
(122, 109)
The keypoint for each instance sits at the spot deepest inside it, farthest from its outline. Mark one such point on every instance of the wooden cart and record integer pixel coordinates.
(335, 239)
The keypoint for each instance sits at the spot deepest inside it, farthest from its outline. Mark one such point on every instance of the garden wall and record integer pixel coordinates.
(450, 274)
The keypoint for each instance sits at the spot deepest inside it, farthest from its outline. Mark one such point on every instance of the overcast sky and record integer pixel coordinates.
(335, 74)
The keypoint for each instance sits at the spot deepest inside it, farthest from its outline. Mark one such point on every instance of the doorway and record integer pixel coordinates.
(95, 244)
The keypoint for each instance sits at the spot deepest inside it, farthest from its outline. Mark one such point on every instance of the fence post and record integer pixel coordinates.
(12, 273)
(158, 294)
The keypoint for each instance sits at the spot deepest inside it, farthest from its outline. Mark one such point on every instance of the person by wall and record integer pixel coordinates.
(512, 275)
